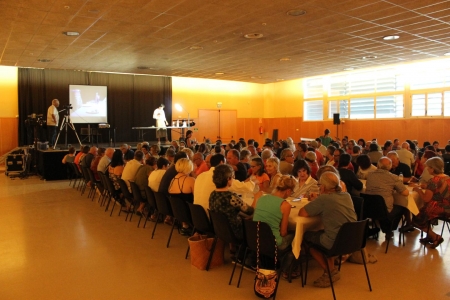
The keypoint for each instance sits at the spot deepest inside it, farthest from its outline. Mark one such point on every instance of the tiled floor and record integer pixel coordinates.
(56, 244)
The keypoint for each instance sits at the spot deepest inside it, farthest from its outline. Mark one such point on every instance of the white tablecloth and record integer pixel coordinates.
(301, 225)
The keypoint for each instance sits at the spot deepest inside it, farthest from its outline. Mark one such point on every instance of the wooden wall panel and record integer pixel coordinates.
(9, 138)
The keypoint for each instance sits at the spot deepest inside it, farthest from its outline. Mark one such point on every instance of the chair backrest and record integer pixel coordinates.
(222, 228)
(162, 204)
(91, 176)
(180, 209)
(200, 219)
(266, 238)
(136, 192)
(108, 184)
(447, 167)
(150, 197)
(350, 238)
(85, 174)
(124, 190)
(374, 207)
(75, 169)
(358, 204)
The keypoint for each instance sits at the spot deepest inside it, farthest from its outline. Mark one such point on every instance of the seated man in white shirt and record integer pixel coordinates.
(204, 184)
(405, 156)
(154, 179)
(131, 168)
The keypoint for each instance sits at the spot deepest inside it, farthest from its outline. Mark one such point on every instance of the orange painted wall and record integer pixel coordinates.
(9, 109)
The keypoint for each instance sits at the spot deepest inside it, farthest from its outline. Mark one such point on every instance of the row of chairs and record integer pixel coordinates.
(350, 238)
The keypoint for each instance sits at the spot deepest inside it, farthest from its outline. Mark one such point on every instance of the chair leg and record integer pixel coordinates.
(213, 248)
(236, 262)
(329, 276)
(242, 265)
(171, 231)
(365, 268)
(306, 268)
(156, 223)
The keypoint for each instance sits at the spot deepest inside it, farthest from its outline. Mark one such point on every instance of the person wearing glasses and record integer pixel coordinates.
(287, 161)
(259, 176)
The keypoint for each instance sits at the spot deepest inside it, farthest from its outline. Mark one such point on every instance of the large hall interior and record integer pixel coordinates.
(237, 69)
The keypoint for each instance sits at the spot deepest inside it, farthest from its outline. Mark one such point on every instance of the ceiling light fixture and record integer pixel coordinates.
(219, 73)
(349, 69)
(145, 68)
(285, 59)
(253, 35)
(391, 37)
(71, 33)
(447, 54)
(369, 57)
(296, 12)
(280, 79)
(196, 48)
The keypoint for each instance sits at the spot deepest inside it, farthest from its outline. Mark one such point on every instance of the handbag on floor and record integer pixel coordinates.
(265, 280)
(200, 248)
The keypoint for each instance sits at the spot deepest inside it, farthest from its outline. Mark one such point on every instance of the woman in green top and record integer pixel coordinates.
(274, 210)
(326, 139)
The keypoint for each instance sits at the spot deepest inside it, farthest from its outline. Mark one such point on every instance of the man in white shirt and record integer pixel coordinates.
(405, 156)
(131, 168)
(321, 147)
(154, 179)
(52, 122)
(204, 184)
(105, 160)
(161, 122)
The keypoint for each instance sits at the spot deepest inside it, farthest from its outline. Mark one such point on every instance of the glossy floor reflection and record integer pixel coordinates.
(56, 244)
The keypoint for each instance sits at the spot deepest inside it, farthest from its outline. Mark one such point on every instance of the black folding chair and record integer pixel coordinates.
(113, 193)
(163, 208)
(224, 232)
(350, 238)
(181, 214)
(151, 204)
(202, 225)
(358, 204)
(93, 181)
(128, 196)
(137, 197)
(77, 174)
(375, 208)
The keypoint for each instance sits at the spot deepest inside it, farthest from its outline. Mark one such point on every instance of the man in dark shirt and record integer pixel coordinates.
(347, 176)
(89, 157)
(240, 172)
(398, 167)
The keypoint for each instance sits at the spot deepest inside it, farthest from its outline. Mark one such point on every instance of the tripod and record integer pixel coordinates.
(66, 123)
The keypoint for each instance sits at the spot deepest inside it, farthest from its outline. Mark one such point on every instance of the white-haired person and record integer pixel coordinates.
(182, 185)
(273, 170)
(335, 208)
(436, 198)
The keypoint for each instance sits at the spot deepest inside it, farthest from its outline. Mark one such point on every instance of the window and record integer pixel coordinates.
(314, 88)
(428, 104)
(430, 79)
(389, 106)
(333, 108)
(447, 104)
(313, 110)
(362, 108)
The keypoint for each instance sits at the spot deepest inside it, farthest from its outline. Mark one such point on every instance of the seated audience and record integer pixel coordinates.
(96, 161)
(405, 156)
(399, 167)
(336, 208)
(141, 179)
(382, 182)
(272, 169)
(259, 175)
(274, 210)
(306, 184)
(229, 203)
(154, 179)
(182, 186)
(436, 197)
(115, 169)
(286, 161)
(131, 168)
(311, 159)
(200, 164)
(374, 154)
(104, 162)
(365, 166)
(128, 154)
(240, 172)
(348, 177)
(69, 157)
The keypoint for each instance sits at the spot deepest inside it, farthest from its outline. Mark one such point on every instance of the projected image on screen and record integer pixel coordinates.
(89, 104)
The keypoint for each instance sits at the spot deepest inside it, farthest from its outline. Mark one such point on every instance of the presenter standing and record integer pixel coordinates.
(161, 122)
(52, 122)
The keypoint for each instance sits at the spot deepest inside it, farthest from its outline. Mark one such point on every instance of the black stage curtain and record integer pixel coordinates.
(131, 100)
